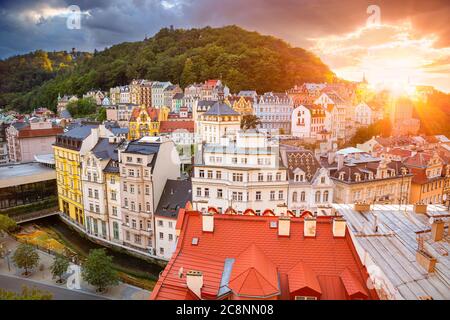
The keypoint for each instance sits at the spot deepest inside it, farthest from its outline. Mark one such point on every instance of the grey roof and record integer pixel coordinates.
(178, 96)
(221, 109)
(207, 103)
(19, 125)
(65, 114)
(105, 150)
(80, 131)
(175, 195)
(145, 148)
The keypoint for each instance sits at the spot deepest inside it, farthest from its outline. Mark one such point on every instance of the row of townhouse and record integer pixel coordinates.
(248, 171)
(110, 188)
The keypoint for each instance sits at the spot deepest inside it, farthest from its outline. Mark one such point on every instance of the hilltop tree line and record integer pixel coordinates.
(242, 59)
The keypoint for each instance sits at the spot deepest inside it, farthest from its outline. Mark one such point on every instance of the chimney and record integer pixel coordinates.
(339, 226)
(420, 208)
(309, 227)
(437, 229)
(427, 261)
(331, 157)
(281, 210)
(194, 282)
(284, 226)
(361, 206)
(340, 161)
(207, 222)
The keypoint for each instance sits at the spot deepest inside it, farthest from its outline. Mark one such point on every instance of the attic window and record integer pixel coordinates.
(194, 241)
(273, 224)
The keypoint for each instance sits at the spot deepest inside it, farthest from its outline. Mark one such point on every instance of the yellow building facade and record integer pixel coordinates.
(145, 121)
(68, 176)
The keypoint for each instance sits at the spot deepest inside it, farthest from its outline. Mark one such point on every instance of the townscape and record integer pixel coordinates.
(180, 174)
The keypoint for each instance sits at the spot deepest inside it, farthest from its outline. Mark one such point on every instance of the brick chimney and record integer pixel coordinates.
(309, 227)
(340, 161)
(362, 206)
(281, 209)
(194, 281)
(437, 229)
(420, 208)
(284, 226)
(339, 227)
(207, 222)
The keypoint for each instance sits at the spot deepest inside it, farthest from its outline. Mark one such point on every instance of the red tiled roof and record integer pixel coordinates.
(254, 274)
(400, 152)
(352, 285)
(264, 263)
(302, 277)
(420, 159)
(27, 132)
(153, 113)
(171, 126)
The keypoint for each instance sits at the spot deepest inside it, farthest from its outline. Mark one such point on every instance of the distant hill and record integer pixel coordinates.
(22, 73)
(242, 59)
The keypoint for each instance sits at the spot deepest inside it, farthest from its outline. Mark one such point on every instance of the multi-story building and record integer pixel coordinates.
(274, 111)
(175, 196)
(144, 122)
(27, 140)
(241, 257)
(177, 102)
(125, 95)
(158, 89)
(240, 104)
(401, 115)
(365, 115)
(307, 93)
(68, 150)
(3, 143)
(120, 113)
(112, 180)
(308, 121)
(97, 95)
(240, 175)
(219, 121)
(145, 166)
(169, 92)
(428, 180)
(359, 177)
(310, 185)
(63, 101)
(336, 110)
(114, 95)
(94, 186)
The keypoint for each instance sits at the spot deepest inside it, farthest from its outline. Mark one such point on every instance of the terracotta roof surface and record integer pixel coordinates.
(34, 133)
(170, 126)
(245, 256)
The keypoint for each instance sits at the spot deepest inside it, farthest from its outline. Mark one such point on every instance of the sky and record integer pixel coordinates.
(394, 42)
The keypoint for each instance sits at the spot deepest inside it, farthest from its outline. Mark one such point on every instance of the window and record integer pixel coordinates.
(258, 196)
(139, 160)
(161, 236)
(113, 195)
(199, 192)
(244, 160)
(170, 224)
(278, 177)
(129, 159)
(133, 223)
(147, 189)
(137, 239)
(325, 196)
(219, 175)
(131, 172)
(114, 211)
(269, 177)
(322, 180)
(96, 194)
(113, 180)
(125, 201)
(97, 208)
(161, 250)
(303, 196)
(210, 174)
(125, 188)
(90, 192)
(234, 160)
(127, 235)
(201, 173)
(133, 206)
(272, 195)
(91, 207)
(294, 197)
(280, 195)
(260, 177)
(170, 237)
(116, 230)
(219, 193)
(207, 192)
(132, 188)
(260, 161)
(160, 223)
(238, 177)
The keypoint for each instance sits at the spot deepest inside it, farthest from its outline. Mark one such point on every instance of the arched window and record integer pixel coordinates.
(325, 196)
(294, 197)
(317, 196)
(303, 196)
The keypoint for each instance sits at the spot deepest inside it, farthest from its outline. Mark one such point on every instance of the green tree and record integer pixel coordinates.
(101, 115)
(59, 267)
(26, 294)
(82, 107)
(188, 76)
(98, 270)
(250, 122)
(26, 257)
(7, 224)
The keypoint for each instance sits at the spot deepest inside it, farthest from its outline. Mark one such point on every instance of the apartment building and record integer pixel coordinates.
(242, 172)
(145, 165)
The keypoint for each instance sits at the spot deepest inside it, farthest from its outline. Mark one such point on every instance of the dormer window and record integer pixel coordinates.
(357, 177)
(341, 175)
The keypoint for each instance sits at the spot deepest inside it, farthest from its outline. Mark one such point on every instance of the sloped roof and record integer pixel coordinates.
(254, 274)
(302, 276)
(303, 160)
(259, 255)
(152, 113)
(221, 109)
(170, 126)
(174, 197)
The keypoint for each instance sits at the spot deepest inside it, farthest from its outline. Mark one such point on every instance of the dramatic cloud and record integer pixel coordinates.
(415, 33)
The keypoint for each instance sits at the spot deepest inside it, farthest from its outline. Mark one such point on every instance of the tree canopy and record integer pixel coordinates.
(98, 270)
(242, 59)
(25, 257)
